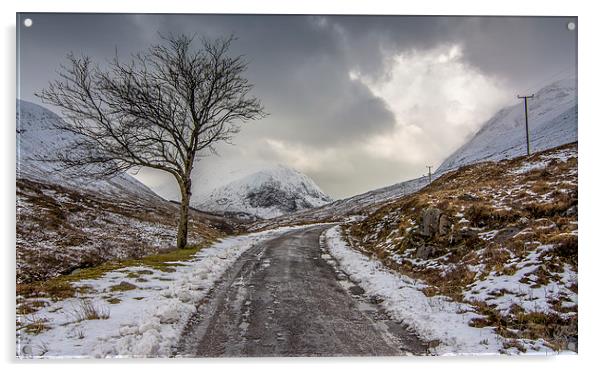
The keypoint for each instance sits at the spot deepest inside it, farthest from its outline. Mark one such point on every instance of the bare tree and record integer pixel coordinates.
(162, 110)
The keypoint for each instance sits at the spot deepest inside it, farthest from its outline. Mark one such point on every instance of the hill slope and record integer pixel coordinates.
(38, 137)
(552, 122)
(498, 236)
(268, 193)
(65, 223)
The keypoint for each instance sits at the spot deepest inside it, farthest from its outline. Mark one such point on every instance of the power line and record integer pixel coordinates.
(429, 167)
(525, 98)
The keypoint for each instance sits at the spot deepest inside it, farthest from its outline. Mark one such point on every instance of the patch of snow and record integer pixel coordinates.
(505, 291)
(148, 320)
(432, 318)
(530, 166)
(488, 235)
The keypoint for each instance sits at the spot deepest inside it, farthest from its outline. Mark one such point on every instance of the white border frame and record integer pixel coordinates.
(589, 133)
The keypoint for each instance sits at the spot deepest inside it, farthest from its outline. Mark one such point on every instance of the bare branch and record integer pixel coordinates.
(159, 110)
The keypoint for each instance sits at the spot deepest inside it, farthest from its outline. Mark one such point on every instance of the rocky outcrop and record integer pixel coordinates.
(271, 195)
(435, 223)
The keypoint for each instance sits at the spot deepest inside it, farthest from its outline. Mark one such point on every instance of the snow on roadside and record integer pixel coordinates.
(432, 318)
(147, 320)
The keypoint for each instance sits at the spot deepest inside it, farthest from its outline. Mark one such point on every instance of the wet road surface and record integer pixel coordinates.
(281, 298)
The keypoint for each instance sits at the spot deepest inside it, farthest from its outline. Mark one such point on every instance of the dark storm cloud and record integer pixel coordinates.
(298, 67)
(518, 48)
(301, 67)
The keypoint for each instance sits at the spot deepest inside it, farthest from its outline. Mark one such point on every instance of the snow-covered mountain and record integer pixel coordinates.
(267, 193)
(552, 122)
(37, 136)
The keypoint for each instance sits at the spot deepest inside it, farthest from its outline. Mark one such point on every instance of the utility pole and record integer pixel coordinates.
(525, 98)
(429, 167)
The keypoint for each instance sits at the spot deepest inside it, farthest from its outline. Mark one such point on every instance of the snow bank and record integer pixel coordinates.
(147, 321)
(435, 318)
(432, 318)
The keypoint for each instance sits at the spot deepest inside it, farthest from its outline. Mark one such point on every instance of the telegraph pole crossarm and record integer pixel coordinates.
(525, 98)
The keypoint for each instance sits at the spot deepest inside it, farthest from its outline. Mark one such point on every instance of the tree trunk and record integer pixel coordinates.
(183, 222)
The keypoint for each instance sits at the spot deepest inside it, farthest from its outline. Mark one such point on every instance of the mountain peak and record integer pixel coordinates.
(267, 193)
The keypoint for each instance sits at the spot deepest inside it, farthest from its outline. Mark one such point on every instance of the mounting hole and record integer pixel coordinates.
(27, 22)
(571, 26)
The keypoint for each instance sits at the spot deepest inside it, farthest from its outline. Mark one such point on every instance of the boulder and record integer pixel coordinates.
(468, 197)
(505, 234)
(430, 222)
(435, 223)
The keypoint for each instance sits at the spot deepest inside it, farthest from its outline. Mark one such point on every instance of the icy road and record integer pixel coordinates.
(282, 298)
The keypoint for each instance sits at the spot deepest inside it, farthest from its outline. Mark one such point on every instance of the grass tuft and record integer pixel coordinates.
(122, 287)
(87, 310)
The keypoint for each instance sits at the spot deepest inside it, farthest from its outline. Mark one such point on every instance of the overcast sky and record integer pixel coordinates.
(355, 102)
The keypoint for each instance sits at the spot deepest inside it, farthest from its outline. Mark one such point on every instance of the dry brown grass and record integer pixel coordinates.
(32, 324)
(87, 310)
(566, 246)
(122, 287)
(526, 209)
(55, 290)
(82, 230)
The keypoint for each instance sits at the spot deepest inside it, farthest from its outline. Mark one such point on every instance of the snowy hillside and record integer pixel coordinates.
(268, 193)
(552, 122)
(37, 137)
(66, 223)
(499, 237)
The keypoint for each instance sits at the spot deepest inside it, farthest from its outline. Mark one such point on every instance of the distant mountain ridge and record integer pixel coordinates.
(267, 193)
(37, 136)
(552, 122)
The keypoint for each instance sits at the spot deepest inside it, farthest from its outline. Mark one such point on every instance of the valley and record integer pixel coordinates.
(481, 260)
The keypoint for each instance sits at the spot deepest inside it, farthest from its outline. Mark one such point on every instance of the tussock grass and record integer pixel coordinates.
(29, 307)
(35, 325)
(87, 310)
